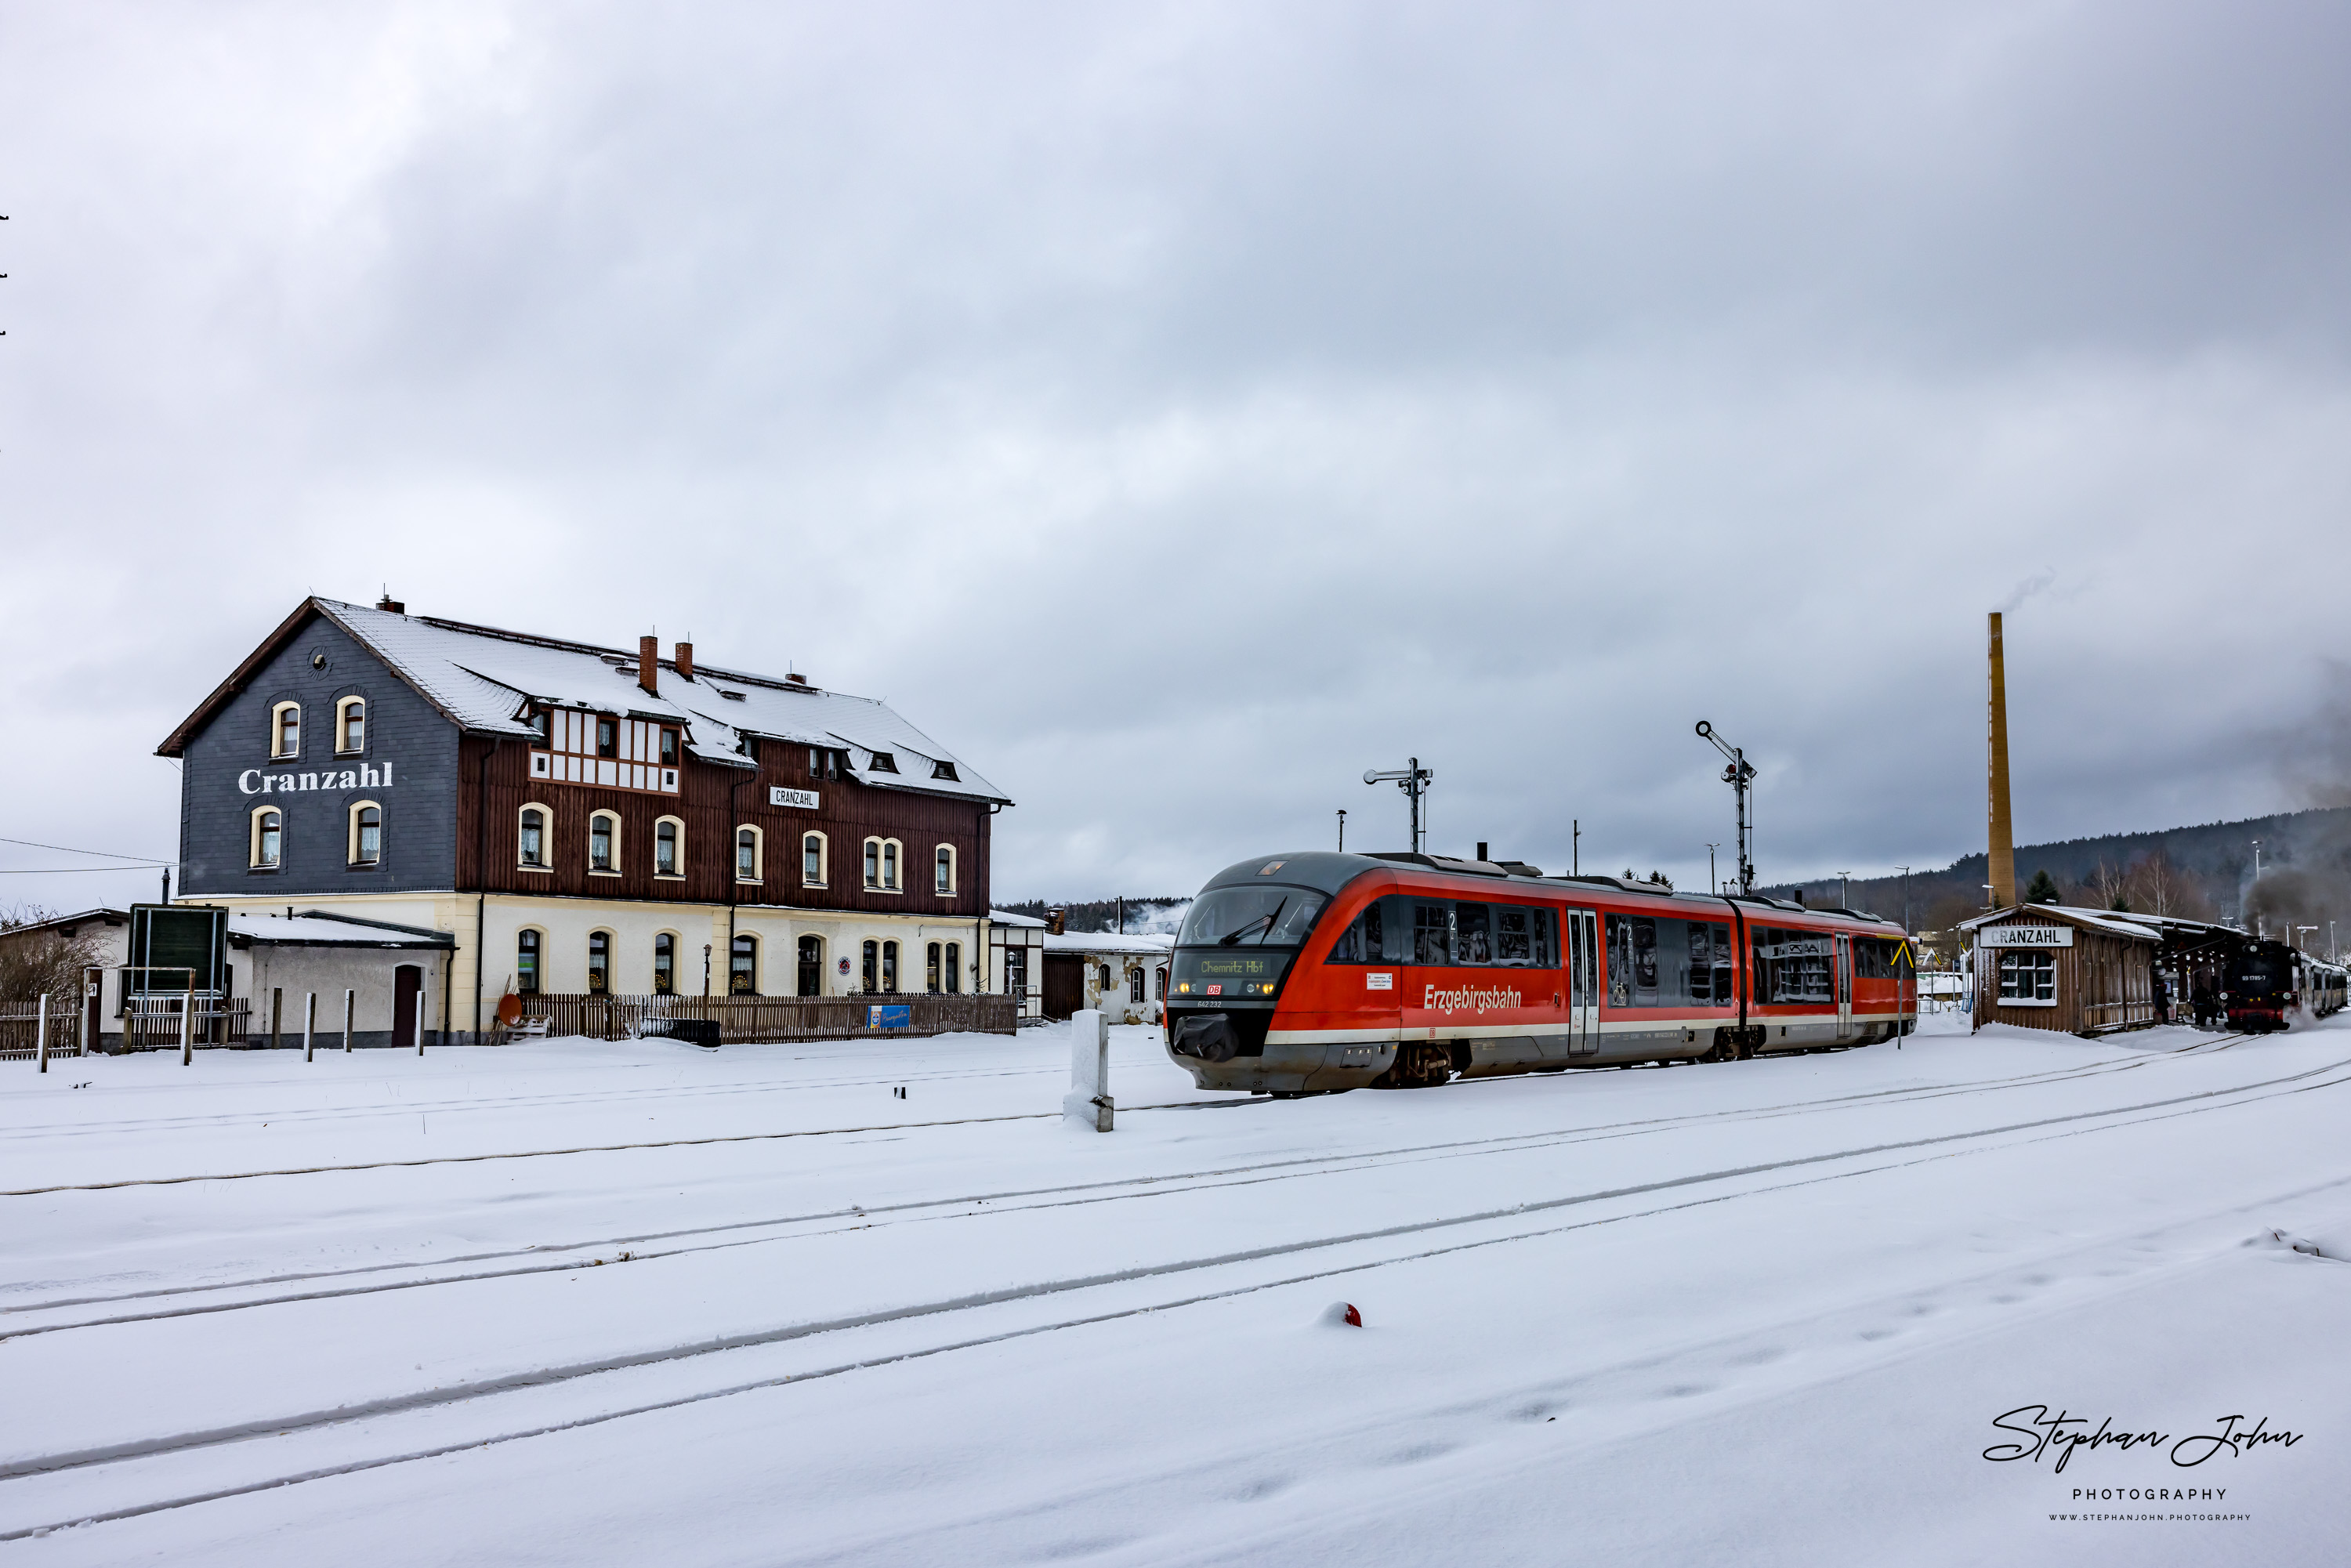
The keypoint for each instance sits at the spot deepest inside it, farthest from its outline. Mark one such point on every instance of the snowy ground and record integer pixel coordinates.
(576, 1303)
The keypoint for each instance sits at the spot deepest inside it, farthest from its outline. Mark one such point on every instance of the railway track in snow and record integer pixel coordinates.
(1196, 1280)
(649, 1245)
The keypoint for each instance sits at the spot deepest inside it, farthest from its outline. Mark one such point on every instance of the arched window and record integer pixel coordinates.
(604, 840)
(890, 864)
(1135, 986)
(871, 967)
(931, 969)
(351, 726)
(286, 730)
(1103, 987)
(665, 965)
(747, 853)
(530, 837)
(600, 963)
(268, 838)
(743, 967)
(367, 833)
(942, 868)
(955, 969)
(526, 963)
(873, 863)
(812, 976)
(812, 866)
(666, 857)
(890, 966)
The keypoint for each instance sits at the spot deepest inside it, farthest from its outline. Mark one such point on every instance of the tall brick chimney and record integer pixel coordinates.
(649, 664)
(686, 660)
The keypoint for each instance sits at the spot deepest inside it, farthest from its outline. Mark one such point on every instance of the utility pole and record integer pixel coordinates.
(1740, 775)
(1845, 889)
(1906, 898)
(1576, 847)
(1413, 780)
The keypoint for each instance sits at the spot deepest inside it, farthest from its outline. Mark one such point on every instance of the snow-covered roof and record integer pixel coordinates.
(486, 679)
(1006, 918)
(1110, 942)
(2107, 920)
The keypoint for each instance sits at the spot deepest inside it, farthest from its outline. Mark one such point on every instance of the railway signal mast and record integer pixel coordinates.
(1740, 775)
(1413, 780)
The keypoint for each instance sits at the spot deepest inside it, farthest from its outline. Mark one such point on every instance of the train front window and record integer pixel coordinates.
(1250, 917)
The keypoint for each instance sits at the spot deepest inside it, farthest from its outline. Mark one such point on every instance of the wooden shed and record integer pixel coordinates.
(2045, 965)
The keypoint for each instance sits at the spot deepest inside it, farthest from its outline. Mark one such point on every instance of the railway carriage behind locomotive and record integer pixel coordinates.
(1319, 971)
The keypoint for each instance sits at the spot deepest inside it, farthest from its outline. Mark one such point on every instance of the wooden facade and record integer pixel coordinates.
(2077, 971)
(711, 802)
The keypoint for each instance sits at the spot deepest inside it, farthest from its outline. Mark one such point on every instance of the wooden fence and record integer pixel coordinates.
(744, 1020)
(20, 1024)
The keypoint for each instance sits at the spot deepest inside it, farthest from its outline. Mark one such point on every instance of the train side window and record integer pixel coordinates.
(1473, 941)
(1513, 941)
(1701, 963)
(1645, 961)
(1432, 934)
(1620, 961)
(1723, 963)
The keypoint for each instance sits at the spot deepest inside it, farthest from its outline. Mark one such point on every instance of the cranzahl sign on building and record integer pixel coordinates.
(2024, 937)
(366, 776)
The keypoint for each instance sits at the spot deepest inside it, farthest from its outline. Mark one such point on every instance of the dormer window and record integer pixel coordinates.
(824, 764)
(542, 724)
(351, 726)
(286, 730)
(945, 770)
(883, 762)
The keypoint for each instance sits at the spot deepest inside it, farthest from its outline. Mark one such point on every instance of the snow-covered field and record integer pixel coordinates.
(639, 1304)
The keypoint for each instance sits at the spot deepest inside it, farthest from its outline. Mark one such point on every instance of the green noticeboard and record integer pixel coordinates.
(168, 942)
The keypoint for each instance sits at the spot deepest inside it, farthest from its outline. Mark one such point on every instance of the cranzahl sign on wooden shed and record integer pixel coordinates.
(2048, 966)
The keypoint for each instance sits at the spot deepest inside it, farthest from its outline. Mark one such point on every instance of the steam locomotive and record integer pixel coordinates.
(1314, 972)
(2261, 980)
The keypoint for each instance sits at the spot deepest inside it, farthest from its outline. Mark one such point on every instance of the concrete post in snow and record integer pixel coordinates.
(350, 1001)
(310, 1025)
(188, 1022)
(1088, 1103)
(41, 1034)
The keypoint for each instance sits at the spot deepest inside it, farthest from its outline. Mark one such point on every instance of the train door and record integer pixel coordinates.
(1582, 982)
(1845, 987)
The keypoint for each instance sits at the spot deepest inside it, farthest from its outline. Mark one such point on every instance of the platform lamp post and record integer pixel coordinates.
(1712, 884)
(1342, 830)
(1413, 780)
(1906, 898)
(1844, 890)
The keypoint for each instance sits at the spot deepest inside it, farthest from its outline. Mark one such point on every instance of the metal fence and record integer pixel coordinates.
(744, 1020)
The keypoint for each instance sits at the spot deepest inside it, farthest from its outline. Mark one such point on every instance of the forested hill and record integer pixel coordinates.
(2202, 872)
(1143, 914)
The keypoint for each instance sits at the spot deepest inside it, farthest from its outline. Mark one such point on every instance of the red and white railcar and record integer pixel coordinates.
(1314, 971)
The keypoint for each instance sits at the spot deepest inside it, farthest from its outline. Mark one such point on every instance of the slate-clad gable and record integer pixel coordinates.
(404, 733)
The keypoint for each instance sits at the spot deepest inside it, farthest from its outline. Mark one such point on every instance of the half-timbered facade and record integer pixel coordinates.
(585, 819)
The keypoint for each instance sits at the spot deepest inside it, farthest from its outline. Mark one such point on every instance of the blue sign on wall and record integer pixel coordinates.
(900, 1015)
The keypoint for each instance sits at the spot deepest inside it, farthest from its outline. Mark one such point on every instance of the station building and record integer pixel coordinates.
(583, 819)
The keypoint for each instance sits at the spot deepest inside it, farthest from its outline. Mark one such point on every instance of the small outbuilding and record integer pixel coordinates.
(1123, 976)
(2081, 971)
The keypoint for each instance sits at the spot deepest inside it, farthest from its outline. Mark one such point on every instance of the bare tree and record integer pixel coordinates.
(35, 962)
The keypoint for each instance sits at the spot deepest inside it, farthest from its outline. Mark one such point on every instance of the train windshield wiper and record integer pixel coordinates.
(1266, 920)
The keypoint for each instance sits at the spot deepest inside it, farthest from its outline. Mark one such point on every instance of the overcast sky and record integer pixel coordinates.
(1178, 410)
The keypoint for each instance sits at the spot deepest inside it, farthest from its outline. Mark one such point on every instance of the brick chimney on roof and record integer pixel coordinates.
(685, 660)
(649, 664)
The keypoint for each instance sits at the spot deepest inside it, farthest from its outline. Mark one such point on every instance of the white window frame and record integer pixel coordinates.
(343, 706)
(611, 954)
(676, 946)
(2032, 966)
(253, 860)
(871, 855)
(948, 851)
(279, 751)
(352, 846)
(539, 974)
(759, 856)
(823, 858)
(545, 864)
(616, 860)
(677, 871)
